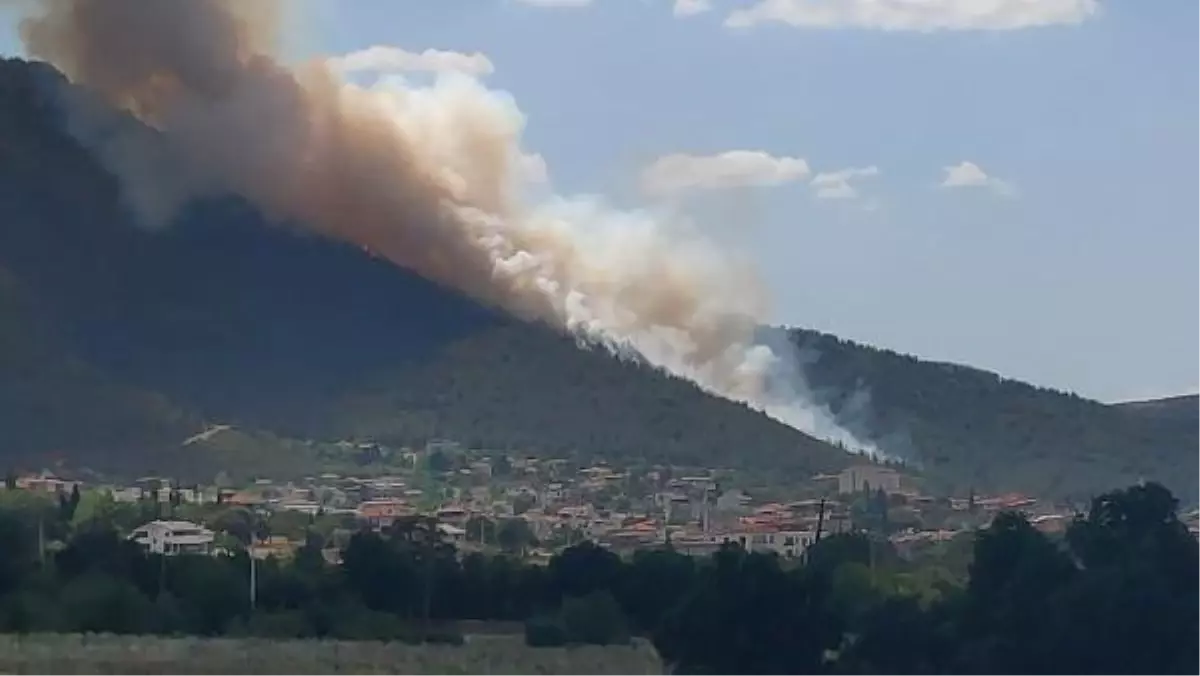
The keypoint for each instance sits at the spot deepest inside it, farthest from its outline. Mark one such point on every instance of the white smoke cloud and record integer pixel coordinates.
(678, 173)
(915, 15)
(432, 177)
(383, 59)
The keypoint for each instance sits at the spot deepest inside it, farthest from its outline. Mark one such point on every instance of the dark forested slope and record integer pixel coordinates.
(972, 428)
(129, 339)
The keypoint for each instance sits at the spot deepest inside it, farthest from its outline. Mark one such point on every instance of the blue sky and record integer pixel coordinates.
(1064, 254)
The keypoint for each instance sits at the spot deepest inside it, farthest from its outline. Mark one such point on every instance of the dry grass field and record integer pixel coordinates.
(109, 654)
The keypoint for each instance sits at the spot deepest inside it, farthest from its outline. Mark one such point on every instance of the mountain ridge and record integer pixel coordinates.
(993, 432)
(268, 327)
(1177, 401)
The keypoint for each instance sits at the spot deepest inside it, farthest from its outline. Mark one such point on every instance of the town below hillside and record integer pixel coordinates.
(493, 502)
(375, 570)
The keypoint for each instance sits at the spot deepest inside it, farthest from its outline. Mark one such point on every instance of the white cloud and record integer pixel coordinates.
(733, 169)
(555, 3)
(387, 59)
(915, 15)
(691, 7)
(833, 185)
(969, 175)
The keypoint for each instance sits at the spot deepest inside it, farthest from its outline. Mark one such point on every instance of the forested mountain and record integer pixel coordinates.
(124, 341)
(969, 428)
(118, 342)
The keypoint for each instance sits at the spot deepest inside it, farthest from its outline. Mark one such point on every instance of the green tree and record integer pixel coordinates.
(481, 529)
(594, 619)
(515, 535)
(68, 503)
(523, 502)
(289, 524)
(18, 550)
(746, 615)
(502, 466)
(654, 582)
(99, 602)
(439, 461)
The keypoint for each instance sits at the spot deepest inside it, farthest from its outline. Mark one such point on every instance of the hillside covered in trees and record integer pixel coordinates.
(120, 341)
(968, 428)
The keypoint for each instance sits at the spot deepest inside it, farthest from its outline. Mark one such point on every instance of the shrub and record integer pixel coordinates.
(545, 631)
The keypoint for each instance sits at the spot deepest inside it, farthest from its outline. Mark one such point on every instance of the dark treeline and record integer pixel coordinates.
(1117, 594)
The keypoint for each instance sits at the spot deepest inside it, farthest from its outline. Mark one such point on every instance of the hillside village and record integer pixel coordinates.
(533, 507)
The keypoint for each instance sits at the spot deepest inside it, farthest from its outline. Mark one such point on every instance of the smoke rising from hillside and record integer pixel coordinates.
(428, 177)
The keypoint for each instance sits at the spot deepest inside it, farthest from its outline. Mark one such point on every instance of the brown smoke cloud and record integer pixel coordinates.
(427, 177)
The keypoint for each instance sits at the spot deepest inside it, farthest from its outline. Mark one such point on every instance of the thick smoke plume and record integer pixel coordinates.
(428, 177)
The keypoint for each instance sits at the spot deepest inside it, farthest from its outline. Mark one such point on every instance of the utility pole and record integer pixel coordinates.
(820, 521)
(704, 509)
(162, 567)
(41, 540)
(253, 580)
(426, 547)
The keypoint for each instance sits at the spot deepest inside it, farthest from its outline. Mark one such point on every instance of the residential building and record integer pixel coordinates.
(245, 499)
(382, 513)
(697, 544)
(127, 494)
(173, 537)
(45, 483)
(451, 533)
(873, 477)
(453, 514)
(732, 501)
(302, 506)
(274, 546)
(785, 543)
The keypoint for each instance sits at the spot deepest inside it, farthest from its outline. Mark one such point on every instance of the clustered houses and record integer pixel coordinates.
(560, 505)
(1192, 521)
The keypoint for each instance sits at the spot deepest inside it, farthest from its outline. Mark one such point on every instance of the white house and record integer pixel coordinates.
(786, 543)
(173, 537)
(871, 477)
(452, 533)
(303, 506)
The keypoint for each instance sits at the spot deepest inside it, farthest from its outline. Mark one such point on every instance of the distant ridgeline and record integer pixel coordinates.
(971, 428)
